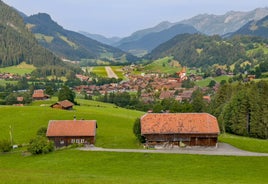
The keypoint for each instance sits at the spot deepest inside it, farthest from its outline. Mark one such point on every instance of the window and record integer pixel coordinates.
(61, 141)
(78, 141)
(73, 141)
(82, 140)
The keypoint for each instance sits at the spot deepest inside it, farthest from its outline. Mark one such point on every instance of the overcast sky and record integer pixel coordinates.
(123, 17)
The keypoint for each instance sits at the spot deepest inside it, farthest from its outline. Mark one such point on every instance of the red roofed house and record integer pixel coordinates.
(192, 129)
(65, 104)
(39, 95)
(66, 132)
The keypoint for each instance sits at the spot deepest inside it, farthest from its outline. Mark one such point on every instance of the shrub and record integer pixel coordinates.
(137, 130)
(41, 131)
(40, 145)
(5, 146)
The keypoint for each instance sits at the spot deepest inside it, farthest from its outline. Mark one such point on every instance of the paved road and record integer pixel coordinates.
(222, 149)
(110, 72)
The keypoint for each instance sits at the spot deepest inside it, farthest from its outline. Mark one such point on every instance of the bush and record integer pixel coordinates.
(5, 146)
(40, 145)
(42, 131)
(137, 130)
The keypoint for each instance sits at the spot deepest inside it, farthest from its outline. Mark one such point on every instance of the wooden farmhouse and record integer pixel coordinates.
(190, 129)
(39, 95)
(66, 132)
(65, 104)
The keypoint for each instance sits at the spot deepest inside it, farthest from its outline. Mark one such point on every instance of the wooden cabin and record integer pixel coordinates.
(67, 132)
(40, 95)
(65, 104)
(191, 129)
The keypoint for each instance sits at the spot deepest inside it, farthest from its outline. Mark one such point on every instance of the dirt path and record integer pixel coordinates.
(222, 149)
(110, 72)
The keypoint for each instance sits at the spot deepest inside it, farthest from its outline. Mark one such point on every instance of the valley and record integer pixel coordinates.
(202, 84)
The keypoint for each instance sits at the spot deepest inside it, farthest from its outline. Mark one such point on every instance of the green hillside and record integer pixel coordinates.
(114, 131)
(114, 124)
(20, 69)
(163, 65)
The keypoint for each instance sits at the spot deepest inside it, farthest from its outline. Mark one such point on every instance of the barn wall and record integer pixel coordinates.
(188, 139)
(65, 141)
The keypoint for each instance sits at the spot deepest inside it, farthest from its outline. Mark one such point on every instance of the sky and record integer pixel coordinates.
(123, 17)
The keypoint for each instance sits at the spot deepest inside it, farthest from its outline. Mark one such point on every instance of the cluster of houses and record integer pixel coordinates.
(188, 129)
(148, 84)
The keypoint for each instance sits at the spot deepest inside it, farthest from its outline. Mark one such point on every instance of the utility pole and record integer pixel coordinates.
(11, 135)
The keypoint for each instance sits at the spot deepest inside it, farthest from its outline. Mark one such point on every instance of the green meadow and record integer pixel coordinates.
(118, 71)
(74, 166)
(99, 70)
(206, 81)
(20, 69)
(163, 65)
(115, 131)
(114, 123)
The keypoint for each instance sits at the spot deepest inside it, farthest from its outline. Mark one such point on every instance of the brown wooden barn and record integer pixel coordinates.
(190, 129)
(40, 95)
(66, 132)
(65, 104)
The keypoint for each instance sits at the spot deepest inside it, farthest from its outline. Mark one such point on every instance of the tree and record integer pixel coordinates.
(197, 101)
(66, 93)
(40, 145)
(137, 130)
(212, 83)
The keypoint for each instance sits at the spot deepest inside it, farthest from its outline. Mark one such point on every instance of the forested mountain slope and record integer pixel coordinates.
(69, 44)
(200, 50)
(17, 44)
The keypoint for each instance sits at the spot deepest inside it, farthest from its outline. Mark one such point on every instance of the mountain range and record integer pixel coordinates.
(69, 44)
(208, 24)
(254, 28)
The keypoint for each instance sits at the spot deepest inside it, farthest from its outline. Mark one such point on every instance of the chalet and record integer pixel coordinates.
(65, 104)
(39, 95)
(66, 132)
(191, 129)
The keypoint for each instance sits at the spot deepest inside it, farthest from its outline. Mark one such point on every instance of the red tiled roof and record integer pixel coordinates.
(166, 123)
(65, 103)
(71, 128)
(38, 93)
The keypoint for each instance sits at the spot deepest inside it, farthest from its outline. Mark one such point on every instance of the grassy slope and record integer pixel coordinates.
(162, 66)
(206, 81)
(245, 143)
(114, 124)
(73, 166)
(20, 69)
(114, 131)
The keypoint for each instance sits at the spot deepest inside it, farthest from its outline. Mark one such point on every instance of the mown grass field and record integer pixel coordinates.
(115, 131)
(118, 71)
(205, 82)
(74, 166)
(20, 69)
(100, 71)
(114, 124)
